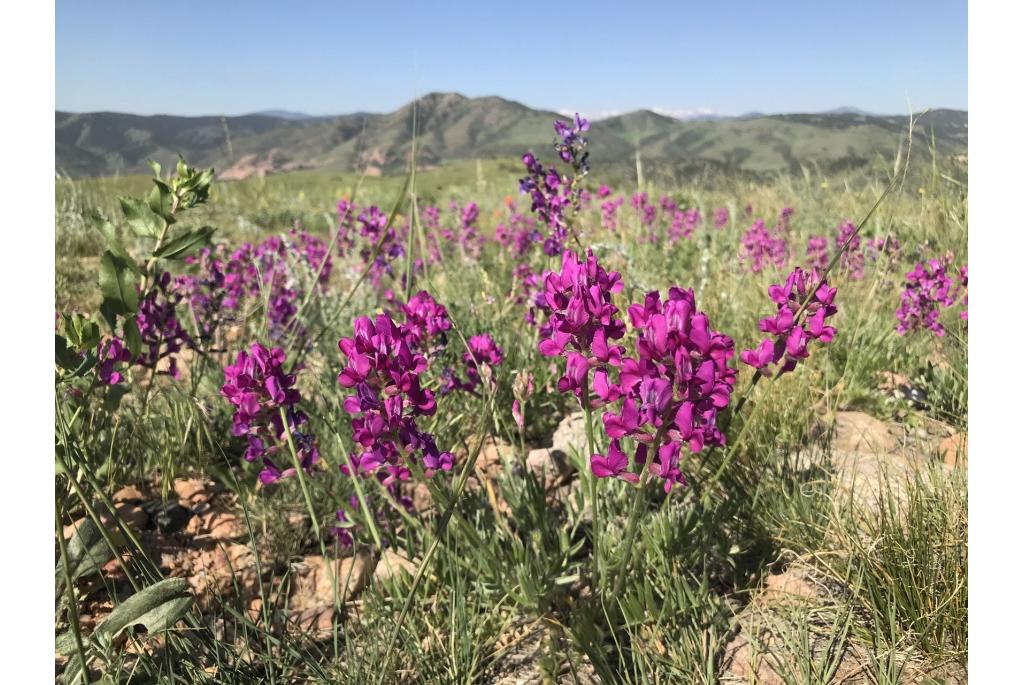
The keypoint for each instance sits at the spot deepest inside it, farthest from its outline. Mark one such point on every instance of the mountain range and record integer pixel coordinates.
(452, 127)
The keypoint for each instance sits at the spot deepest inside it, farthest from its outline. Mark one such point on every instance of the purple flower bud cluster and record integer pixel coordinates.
(928, 288)
(383, 369)
(852, 260)
(372, 227)
(425, 321)
(528, 290)
(258, 388)
(466, 235)
(760, 248)
(671, 392)
(582, 320)
(552, 194)
(794, 326)
(346, 227)
(161, 333)
(109, 354)
(207, 291)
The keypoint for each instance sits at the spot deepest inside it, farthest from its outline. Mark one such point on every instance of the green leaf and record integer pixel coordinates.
(87, 552)
(155, 166)
(185, 244)
(117, 285)
(132, 336)
(70, 360)
(161, 200)
(157, 607)
(143, 220)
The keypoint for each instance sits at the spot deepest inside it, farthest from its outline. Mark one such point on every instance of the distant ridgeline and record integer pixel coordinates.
(451, 127)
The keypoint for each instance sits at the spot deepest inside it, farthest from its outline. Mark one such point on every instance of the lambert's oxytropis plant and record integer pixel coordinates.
(804, 304)
(265, 400)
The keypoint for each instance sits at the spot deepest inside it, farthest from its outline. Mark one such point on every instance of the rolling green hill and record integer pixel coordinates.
(452, 127)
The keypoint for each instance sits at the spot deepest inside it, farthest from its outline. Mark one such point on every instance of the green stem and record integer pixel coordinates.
(312, 517)
(634, 513)
(69, 585)
(591, 478)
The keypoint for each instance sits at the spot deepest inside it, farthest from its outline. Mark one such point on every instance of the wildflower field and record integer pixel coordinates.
(512, 422)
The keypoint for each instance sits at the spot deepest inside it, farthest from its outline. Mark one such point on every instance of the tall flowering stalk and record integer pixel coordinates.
(583, 322)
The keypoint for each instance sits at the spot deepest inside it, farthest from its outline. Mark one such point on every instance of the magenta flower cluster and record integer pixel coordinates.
(383, 369)
(804, 303)
(366, 229)
(671, 392)
(258, 388)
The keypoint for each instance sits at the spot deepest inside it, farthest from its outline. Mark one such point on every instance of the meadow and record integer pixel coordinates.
(512, 421)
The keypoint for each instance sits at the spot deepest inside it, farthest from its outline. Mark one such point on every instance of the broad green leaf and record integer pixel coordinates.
(117, 284)
(70, 360)
(155, 166)
(110, 237)
(186, 243)
(161, 200)
(132, 336)
(157, 607)
(143, 220)
(87, 552)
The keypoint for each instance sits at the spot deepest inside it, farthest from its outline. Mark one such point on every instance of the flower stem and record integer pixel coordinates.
(592, 480)
(634, 513)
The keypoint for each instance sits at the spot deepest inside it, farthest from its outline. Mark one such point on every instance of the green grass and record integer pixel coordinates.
(503, 588)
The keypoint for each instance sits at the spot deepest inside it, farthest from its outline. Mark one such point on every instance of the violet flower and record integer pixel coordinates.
(258, 388)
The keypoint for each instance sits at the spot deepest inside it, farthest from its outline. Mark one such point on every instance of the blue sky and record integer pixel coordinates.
(184, 57)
